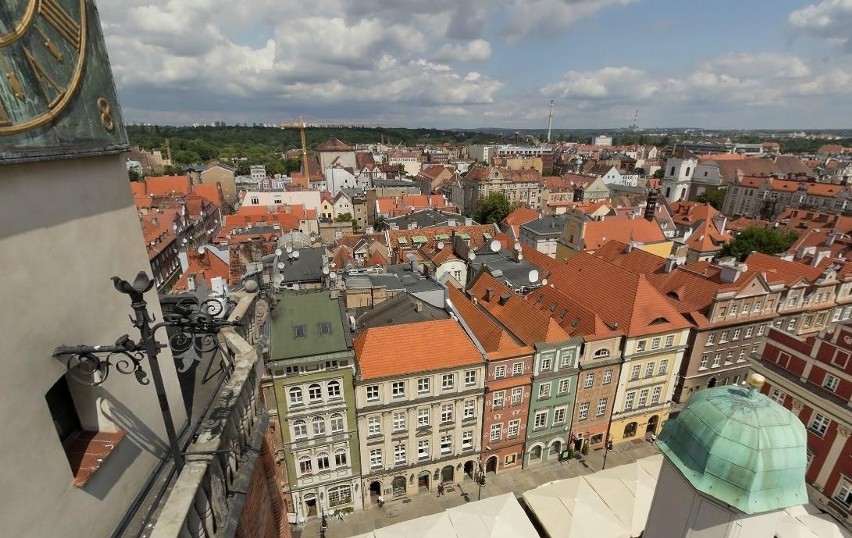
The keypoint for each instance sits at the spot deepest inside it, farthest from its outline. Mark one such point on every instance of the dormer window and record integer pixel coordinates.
(601, 353)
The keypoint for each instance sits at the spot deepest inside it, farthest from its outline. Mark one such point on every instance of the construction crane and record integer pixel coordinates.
(301, 126)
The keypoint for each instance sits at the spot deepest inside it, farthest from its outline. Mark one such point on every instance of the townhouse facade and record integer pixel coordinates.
(508, 376)
(813, 378)
(767, 197)
(419, 407)
(312, 365)
(520, 186)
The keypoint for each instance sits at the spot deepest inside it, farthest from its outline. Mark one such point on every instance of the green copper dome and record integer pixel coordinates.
(740, 447)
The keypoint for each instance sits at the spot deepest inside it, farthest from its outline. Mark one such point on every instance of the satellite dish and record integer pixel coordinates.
(279, 279)
(440, 245)
(495, 246)
(289, 249)
(471, 255)
(533, 276)
(325, 270)
(517, 245)
(278, 252)
(201, 250)
(281, 265)
(296, 254)
(544, 282)
(332, 275)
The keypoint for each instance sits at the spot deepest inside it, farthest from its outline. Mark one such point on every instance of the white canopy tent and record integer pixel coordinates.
(806, 521)
(494, 517)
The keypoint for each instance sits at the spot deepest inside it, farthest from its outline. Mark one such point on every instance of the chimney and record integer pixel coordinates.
(488, 293)
(671, 263)
(630, 246)
(412, 261)
(820, 255)
(418, 306)
(651, 205)
(731, 270)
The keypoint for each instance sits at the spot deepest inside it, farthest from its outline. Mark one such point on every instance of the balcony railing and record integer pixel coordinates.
(207, 497)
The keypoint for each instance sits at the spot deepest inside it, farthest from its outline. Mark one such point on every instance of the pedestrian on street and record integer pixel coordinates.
(440, 489)
(381, 500)
(653, 438)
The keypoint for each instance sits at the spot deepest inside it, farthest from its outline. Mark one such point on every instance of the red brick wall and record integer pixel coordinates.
(264, 514)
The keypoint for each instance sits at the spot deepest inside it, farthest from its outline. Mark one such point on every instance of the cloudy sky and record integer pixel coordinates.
(478, 63)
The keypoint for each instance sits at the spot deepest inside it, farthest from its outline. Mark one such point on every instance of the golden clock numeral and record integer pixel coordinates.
(4, 117)
(12, 77)
(106, 114)
(50, 45)
(43, 77)
(64, 24)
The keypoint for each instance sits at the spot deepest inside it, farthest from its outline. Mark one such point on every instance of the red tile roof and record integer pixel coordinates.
(414, 347)
(162, 185)
(598, 232)
(333, 144)
(778, 270)
(205, 266)
(497, 343)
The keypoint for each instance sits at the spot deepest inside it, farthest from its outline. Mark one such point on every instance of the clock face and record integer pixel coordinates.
(42, 52)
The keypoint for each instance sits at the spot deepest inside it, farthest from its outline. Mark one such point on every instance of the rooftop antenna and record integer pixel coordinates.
(549, 121)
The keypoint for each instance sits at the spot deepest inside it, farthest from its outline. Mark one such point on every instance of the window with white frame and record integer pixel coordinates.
(372, 393)
(703, 364)
(422, 417)
(496, 432)
(559, 415)
(469, 409)
(339, 495)
(602, 353)
(607, 377)
(540, 419)
(375, 458)
(777, 395)
(742, 356)
(336, 423)
(745, 308)
(589, 380)
(564, 386)
(723, 311)
(757, 305)
(729, 357)
(640, 345)
(710, 339)
(749, 331)
(517, 395)
(664, 365)
(643, 397)
(830, 382)
(374, 425)
(398, 389)
(634, 373)
(467, 440)
(446, 412)
(423, 449)
(761, 329)
(655, 342)
(499, 372)
(544, 391)
(306, 465)
(601, 407)
(723, 337)
(314, 393)
(295, 396)
(655, 395)
(340, 457)
(583, 411)
(448, 381)
(470, 378)
(717, 359)
(791, 325)
(628, 400)
(670, 340)
(513, 429)
(649, 369)
(333, 389)
(498, 399)
(399, 421)
(446, 444)
(322, 461)
(399, 453)
(843, 492)
(819, 424)
(423, 385)
(566, 359)
(546, 363)
(300, 429)
(318, 424)
(736, 335)
(518, 368)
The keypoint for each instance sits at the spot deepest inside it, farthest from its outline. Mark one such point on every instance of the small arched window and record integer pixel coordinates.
(336, 423)
(688, 170)
(340, 457)
(673, 171)
(333, 389)
(295, 396)
(300, 429)
(305, 465)
(315, 393)
(318, 425)
(601, 353)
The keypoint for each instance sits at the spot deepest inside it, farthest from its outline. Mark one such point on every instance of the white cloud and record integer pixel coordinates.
(472, 51)
(829, 20)
(541, 18)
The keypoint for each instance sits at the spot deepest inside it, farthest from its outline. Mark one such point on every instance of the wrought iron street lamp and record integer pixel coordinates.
(195, 323)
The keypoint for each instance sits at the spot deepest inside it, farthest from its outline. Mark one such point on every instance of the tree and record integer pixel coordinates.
(380, 224)
(715, 198)
(134, 175)
(659, 173)
(767, 241)
(344, 217)
(493, 208)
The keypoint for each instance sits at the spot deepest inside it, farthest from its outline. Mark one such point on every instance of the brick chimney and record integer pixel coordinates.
(651, 204)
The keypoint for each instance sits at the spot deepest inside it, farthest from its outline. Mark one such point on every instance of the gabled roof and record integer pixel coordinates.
(410, 348)
(634, 260)
(778, 270)
(574, 318)
(598, 232)
(497, 343)
(162, 185)
(617, 295)
(205, 266)
(524, 321)
(333, 144)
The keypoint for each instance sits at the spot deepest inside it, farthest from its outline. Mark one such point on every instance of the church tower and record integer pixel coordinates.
(678, 174)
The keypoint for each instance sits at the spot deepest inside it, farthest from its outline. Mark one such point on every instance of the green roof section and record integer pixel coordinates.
(740, 447)
(402, 240)
(307, 323)
(420, 239)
